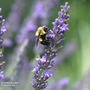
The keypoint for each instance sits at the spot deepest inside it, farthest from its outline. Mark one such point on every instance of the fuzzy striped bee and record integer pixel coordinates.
(41, 34)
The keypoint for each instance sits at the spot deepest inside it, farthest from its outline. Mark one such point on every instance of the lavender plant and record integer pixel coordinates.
(2, 30)
(43, 70)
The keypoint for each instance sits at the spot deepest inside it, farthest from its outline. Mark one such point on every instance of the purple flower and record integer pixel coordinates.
(61, 21)
(43, 63)
(47, 74)
(1, 56)
(51, 34)
(60, 14)
(35, 70)
(1, 75)
(42, 60)
(3, 29)
(64, 27)
(65, 8)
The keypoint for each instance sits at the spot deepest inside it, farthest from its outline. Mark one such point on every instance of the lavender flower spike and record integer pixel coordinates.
(2, 30)
(42, 71)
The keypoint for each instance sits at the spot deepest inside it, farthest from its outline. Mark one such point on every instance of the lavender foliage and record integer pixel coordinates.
(42, 71)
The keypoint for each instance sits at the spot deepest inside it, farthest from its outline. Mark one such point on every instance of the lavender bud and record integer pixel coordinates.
(1, 41)
(1, 56)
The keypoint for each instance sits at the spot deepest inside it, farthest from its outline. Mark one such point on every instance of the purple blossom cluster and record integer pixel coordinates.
(2, 30)
(42, 71)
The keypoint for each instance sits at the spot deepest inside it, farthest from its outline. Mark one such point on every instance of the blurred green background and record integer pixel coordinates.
(76, 65)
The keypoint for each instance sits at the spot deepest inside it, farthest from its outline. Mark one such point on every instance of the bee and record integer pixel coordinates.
(41, 34)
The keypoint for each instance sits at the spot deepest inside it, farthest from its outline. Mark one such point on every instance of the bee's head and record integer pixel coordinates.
(45, 28)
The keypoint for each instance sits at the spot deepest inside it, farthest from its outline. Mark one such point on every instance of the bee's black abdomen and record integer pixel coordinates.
(45, 42)
(43, 37)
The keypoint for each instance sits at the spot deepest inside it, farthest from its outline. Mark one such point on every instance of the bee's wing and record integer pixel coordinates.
(38, 38)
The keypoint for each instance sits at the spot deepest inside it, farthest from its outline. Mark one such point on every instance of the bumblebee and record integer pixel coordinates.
(41, 34)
